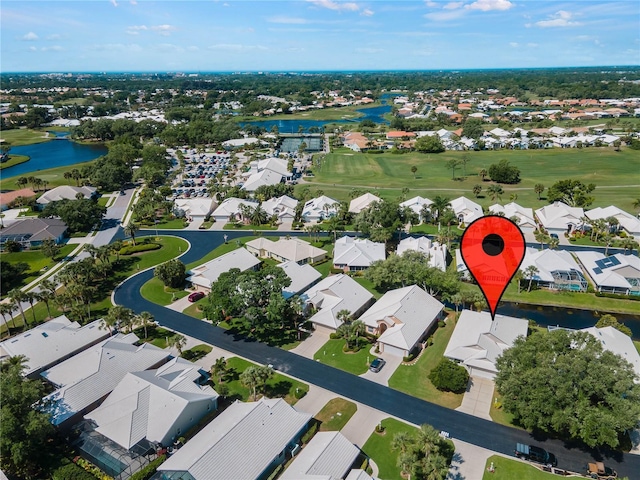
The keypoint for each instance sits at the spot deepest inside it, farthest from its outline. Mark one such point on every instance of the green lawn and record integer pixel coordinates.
(155, 335)
(224, 248)
(197, 352)
(331, 354)
(155, 291)
(102, 201)
(278, 386)
(369, 286)
(413, 379)
(195, 309)
(507, 469)
(337, 113)
(55, 177)
(175, 224)
(14, 160)
(637, 344)
(378, 448)
(387, 174)
(24, 136)
(38, 264)
(499, 415)
(335, 414)
(232, 226)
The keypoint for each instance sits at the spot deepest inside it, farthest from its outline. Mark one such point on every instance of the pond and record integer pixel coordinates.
(55, 153)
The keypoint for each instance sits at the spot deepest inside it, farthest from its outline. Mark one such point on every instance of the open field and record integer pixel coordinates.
(338, 113)
(23, 136)
(54, 177)
(614, 173)
(14, 160)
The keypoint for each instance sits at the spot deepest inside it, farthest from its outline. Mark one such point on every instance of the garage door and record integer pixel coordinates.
(398, 352)
(477, 372)
(325, 330)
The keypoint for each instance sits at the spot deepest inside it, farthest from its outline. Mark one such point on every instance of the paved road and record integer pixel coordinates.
(467, 428)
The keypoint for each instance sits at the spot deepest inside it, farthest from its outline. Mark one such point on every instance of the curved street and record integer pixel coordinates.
(467, 428)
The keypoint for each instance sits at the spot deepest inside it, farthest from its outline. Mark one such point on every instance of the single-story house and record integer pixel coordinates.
(557, 270)
(617, 342)
(319, 208)
(85, 379)
(614, 274)
(65, 192)
(302, 277)
(51, 343)
(351, 253)
(7, 197)
(239, 142)
(522, 215)
(477, 341)
(260, 179)
(229, 209)
(363, 201)
(155, 406)
(329, 455)
(278, 165)
(31, 232)
(333, 294)
(245, 442)
(559, 218)
(402, 318)
(626, 221)
(284, 207)
(195, 209)
(286, 249)
(202, 276)
(466, 210)
(436, 253)
(417, 204)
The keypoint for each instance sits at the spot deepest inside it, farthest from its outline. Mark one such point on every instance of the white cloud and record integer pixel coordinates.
(488, 5)
(33, 49)
(114, 3)
(445, 15)
(561, 18)
(367, 12)
(532, 45)
(453, 5)
(236, 47)
(193, 48)
(431, 3)
(164, 30)
(339, 6)
(369, 50)
(287, 20)
(133, 2)
(136, 29)
(514, 44)
(54, 36)
(30, 37)
(169, 47)
(52, 48)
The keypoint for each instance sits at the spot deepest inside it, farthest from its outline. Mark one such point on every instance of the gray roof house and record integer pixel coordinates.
(302, 277)
(477, 341)
(335, 293)
(65, 192)
(352, 253)
(204, 275)
(52, 342)
(31, 232)
(286, 249)
(402, 318)
(156, 406)
(245, 442)
(86, 378)
(328, 456)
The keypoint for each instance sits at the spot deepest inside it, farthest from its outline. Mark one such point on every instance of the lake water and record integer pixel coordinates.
(56, 153)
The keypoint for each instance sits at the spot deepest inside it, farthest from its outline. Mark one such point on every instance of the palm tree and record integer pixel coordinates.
(414, 169)
(495, 191)
(636, 203)
(428, 439)
(608, 241)
(542, 238)
(219, 369)
(144, 319)
(17, 297)
(530, 272)
(538, 188)
(46, 297)
(258, 216)
(553, 243)
(344, 315)
(401, 441)
(438, 206)
(32, 297)
(178, 341)
(482, 173)
(7, 309)
(477, 188)
(131, 230)
(117, 316)
(517, 277)
(254, 377)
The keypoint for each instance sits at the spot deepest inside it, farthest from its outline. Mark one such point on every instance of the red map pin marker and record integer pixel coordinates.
(492, 248)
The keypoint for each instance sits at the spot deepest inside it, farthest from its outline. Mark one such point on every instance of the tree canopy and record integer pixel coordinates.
(429, 144)
(503, 172)
(80, 215)
(381, 220)
(171, 273)
(564, 383)
(572, 192)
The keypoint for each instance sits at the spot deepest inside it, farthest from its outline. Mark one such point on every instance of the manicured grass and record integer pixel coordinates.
(195, 309)
(331, 354)
(498, 414)
(224, 248)
(507, 469)
(390, 173)
(338, 113)
(24, 136)
(413, 379)
(14, 160)
(425, 228)
(103, 201)
(175, 224)
(335, 414)
(278, 385)
(197, 352)
(637, 344)
(587, 301)
(155, 291)
(55, 177)
(232, 226)
(155, 335)
(378, 448)
(37, 262)
(369, 286)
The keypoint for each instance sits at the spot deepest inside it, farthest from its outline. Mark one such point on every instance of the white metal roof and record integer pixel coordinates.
(328, 455)
(314, 208)
(335, 293)
(302, 276)
(524, 214)
(265, 177)
(280, 206)
(207, 273)
(294, 249)
(277, 165)
(437, 253)
(195, 206)
(612, 271)
(548, 261)
(617, 342)
(416, 204)
(65, 192)
(240, 443)
(52, 341)
(231, 206)
(469, 209)
(363, 201)
(559, 215)
(357, 252)
(627, 221)
(93, 373)
(409, 312)
(151, 404)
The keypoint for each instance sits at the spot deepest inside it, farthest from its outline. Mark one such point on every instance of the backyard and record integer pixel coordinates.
(413, 379)
(378, 448)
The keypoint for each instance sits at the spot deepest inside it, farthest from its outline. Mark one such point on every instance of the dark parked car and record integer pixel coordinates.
(599, 471)
(377, 365)
(536, 454)
(195, 296)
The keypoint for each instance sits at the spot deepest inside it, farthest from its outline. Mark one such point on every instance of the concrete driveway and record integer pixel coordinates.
(312, 344)
(382, 377)
(478, 397)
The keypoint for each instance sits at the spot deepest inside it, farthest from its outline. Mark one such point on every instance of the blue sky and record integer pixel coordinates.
(210, 35)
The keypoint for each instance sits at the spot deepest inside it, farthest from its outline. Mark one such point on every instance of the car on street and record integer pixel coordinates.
(377, 365)
(536, 454)
(195, 296)
(599, 471)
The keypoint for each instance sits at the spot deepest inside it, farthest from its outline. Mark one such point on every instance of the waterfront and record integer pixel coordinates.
(56, 153)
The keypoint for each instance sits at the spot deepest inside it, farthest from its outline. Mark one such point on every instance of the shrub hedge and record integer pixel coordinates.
(147, 472)
(144, 247)
(71, 471)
